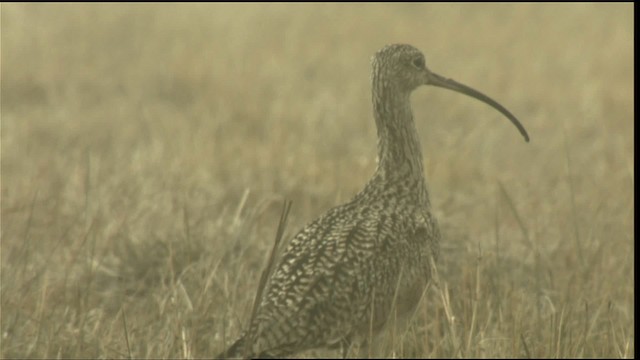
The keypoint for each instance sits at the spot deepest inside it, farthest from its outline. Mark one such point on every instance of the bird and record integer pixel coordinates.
(344, 274)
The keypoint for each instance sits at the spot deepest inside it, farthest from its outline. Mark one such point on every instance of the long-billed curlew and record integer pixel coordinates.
(341, 276)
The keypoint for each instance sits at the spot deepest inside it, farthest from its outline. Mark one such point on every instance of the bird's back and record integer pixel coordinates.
(340, 276)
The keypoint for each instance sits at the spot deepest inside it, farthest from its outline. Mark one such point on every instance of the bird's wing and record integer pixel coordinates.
(324, 284)
(316, 288)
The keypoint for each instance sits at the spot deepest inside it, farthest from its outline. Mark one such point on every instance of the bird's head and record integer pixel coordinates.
(402, 68)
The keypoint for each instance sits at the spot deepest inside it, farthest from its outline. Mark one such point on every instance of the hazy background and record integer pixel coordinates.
(147, 149)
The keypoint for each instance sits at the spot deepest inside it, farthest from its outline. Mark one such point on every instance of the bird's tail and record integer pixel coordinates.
(235, 351)
(241, 349)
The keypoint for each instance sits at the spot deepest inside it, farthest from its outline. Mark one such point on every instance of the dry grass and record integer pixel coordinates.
(147, 151)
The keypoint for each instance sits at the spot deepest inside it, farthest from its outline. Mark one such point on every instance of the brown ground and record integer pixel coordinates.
(147, 150)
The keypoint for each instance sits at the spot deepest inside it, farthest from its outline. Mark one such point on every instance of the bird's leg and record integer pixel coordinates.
(345, 345)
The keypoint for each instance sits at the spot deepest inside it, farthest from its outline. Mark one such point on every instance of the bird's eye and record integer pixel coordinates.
(418, 62)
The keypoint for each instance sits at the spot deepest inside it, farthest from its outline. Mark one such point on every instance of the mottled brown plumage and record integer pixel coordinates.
(343, 273)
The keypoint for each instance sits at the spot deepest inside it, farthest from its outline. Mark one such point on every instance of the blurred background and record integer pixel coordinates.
(146, 151)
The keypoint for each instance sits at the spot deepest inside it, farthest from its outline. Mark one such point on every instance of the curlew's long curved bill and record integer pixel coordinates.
(440, 81)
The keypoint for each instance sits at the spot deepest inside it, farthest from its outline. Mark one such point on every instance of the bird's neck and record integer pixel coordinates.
(399, 150)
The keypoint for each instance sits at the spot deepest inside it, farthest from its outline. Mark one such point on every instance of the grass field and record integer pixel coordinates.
(147, 151)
